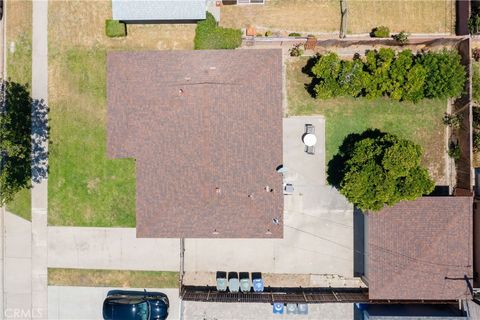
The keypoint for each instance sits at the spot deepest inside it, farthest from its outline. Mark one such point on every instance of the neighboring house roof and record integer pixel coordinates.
(414, 245)
(138, 10)
(205, 128)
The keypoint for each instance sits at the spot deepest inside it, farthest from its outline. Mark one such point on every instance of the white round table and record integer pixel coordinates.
(310, 139)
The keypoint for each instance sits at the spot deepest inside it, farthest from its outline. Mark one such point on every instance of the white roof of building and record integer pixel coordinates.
(158, 10)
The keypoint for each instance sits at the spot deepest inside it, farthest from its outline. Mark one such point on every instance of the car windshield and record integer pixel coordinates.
(140, 311)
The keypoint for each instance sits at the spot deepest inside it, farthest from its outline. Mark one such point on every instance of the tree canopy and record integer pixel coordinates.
(374, 169)
(23, 157)
(400, 76)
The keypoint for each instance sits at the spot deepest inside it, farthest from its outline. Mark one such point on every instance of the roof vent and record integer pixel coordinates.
(276, 221)
(218, 190)
(180, 92)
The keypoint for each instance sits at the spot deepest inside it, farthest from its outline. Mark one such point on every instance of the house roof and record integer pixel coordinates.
(205, 128)
(415, 246)
(141, 10)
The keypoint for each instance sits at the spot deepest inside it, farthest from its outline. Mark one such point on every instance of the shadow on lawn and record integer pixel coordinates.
(307, 69)
(24, 135)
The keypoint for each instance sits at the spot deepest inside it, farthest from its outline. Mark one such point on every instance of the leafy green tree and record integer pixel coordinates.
(446, 75)
(398, 73)
(352, 79)
(414, 83)
(374, 169)
(378, 64)
(23, 123)
(327, 70)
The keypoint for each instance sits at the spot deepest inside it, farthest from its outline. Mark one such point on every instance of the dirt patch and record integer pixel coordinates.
(19, 18)
(313, 16)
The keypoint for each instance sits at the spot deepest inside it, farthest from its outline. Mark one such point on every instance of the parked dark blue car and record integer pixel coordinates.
(135, 305)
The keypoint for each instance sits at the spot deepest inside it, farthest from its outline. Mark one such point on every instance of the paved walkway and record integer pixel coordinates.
(110, 248)
(40, 188)
(86, 303)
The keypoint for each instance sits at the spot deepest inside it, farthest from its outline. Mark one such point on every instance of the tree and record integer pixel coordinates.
(445, 74)
(327, 70)
(374, 169)
(378, 64)
(23, 130)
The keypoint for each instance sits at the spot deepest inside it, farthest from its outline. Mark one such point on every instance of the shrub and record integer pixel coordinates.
(294, 34)
(476, 117)
(445, 74)
(374, 169)
(452, 120)
(210, 36)
(352, 79)
(454, 151)
(476, 82)
(413, 88)
(476, 54)
(297, 50)
(268, 33)
(380, 32)
(378, 64)
(476, 141)
(401, 37)
(115, 28)
(401, 76)
(473, 24)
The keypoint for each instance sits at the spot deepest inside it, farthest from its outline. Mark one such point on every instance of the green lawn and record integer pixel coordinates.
(112, 278)
(19, 69)
(85, 188)
(420, 122)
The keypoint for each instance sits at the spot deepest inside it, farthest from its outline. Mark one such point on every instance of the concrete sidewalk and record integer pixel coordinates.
(18, 263)
(39, 272)
(85, 303)
(110, 248)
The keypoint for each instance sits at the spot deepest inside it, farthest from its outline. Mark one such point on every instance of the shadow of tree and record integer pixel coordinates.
(307, 69)
(336, 167)
(40, 133)
(23, 139)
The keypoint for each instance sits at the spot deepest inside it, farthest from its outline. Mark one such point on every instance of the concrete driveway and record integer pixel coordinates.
(86, 303)
(110, 248)
(318, 221)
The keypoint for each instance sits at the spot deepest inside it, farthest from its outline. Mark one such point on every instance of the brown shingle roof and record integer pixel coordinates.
(414, 245)
(205, 128)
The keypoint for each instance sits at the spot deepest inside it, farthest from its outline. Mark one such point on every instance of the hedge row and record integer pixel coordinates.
(208, 35)
(402, 76)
